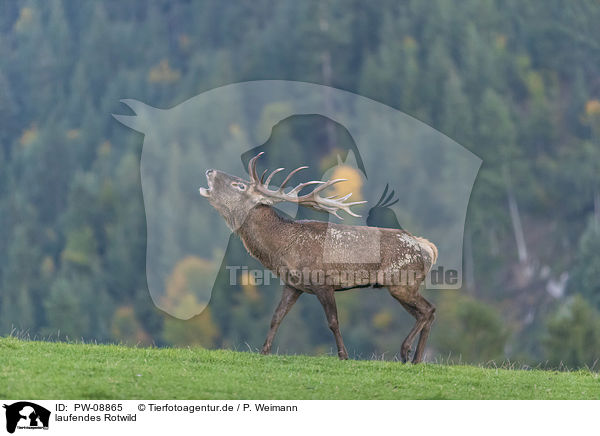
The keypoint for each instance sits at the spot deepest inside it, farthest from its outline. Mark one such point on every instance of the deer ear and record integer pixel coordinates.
(265, 200)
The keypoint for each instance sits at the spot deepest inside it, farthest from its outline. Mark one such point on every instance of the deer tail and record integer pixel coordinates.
(430, 248)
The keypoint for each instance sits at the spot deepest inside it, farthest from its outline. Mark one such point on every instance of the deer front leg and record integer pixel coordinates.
(327, 300)
(288, 298)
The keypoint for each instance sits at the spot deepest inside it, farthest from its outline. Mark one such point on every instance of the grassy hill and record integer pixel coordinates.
(50, 370)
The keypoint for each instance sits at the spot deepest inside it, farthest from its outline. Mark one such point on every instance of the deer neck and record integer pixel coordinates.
(261, 233)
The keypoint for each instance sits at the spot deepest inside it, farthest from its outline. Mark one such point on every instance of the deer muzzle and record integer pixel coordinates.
(205, 192)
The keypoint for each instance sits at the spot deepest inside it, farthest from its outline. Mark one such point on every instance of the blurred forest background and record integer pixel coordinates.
(517, 83)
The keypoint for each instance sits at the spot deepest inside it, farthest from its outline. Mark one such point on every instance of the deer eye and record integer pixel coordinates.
(239, 186)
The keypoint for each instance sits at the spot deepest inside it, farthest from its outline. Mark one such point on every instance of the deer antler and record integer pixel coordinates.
(312, 199)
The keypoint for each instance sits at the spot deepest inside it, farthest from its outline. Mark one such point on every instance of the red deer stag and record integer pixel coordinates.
(321, 258)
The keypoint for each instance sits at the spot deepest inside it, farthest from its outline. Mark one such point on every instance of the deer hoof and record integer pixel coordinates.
(405, 354)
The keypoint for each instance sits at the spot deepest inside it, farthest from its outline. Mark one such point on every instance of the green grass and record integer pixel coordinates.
(54, 370)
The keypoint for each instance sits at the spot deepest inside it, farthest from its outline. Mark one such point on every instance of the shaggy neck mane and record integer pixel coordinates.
(261, 233)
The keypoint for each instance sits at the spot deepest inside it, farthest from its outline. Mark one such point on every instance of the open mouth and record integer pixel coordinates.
(205, 192)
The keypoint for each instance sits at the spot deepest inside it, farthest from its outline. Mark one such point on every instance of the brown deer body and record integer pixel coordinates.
(321, 258)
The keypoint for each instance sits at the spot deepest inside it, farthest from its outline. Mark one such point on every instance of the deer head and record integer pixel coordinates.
(233, 197)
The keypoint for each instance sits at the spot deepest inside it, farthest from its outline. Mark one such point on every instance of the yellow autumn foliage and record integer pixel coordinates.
(200, 330)
(48, 266)
(28, 136)
(249, 288)
(383, 319)
(184, 41)
(352, 184)
(500, 42)
(104, 148)
(73, 134)
(163, 73)
(126, 328)
(592, 107)
(186, 286)
(24, 20)
(409, 43)
(185, 297)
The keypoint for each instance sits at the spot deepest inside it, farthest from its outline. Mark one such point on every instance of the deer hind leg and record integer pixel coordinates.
(288, 298)
(327, 300)
(422, 311)
(418, 357)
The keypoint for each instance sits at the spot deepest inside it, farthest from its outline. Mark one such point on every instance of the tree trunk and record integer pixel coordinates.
(515, 219)
(469, 272)
(597, 211)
